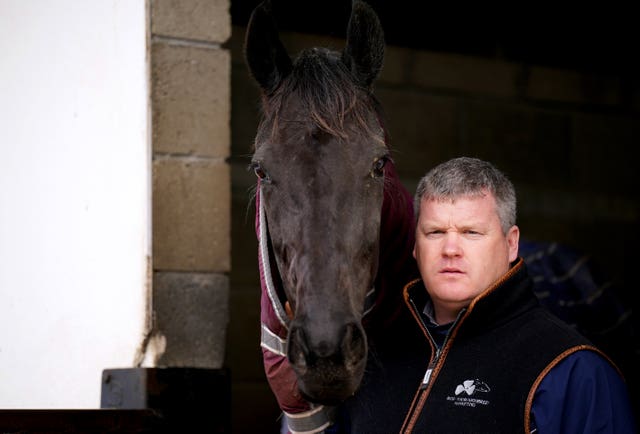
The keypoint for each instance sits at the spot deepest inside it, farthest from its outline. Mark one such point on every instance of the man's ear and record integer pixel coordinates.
(513, 239)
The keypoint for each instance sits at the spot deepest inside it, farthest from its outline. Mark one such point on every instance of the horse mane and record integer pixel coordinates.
(326, 88)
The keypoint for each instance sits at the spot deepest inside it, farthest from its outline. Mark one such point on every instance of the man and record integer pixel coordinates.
(499, 361)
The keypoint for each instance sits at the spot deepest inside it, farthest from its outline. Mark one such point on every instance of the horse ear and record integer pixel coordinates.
(265, 55)
(364, 52)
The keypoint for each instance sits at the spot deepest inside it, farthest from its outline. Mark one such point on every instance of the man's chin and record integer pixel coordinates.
(456, 293)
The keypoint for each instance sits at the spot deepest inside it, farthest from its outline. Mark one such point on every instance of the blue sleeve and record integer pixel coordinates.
(582, 394)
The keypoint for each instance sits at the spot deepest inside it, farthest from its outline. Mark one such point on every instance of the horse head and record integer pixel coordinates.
(320, 156)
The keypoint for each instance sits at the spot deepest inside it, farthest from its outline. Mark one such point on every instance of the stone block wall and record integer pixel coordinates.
(190, 108)
(564, 137)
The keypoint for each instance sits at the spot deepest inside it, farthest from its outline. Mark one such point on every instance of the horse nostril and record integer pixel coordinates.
(346, 347)
(298, 349)
(354, 345)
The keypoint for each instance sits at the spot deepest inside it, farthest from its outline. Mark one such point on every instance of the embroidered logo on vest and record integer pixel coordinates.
(466, 394)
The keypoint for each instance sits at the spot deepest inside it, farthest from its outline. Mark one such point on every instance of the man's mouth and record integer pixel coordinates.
(451, 270)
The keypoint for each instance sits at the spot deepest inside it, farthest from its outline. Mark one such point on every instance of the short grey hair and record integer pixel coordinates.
(469, 177)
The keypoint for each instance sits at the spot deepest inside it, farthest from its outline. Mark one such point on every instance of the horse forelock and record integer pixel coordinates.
(326, 93)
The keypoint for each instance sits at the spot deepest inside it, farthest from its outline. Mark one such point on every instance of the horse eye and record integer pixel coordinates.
(259, 171)
(378, 167)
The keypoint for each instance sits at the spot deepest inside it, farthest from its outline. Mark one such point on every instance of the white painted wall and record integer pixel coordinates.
(74, 197)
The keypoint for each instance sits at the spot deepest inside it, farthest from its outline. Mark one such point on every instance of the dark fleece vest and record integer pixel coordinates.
(496, 354)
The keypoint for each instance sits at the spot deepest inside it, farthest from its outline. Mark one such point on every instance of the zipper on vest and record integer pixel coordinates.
(421, 395)
(427, 375)
(436, 358)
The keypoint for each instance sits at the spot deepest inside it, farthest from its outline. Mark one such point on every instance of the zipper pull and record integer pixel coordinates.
(427, 377)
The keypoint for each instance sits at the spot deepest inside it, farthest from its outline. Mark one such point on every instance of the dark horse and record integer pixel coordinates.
(336, 232)
(327, 189)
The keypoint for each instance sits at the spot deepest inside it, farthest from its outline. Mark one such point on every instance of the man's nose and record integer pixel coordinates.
(451, 244)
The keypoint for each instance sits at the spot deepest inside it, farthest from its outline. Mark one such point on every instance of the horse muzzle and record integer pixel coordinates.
(329, 361)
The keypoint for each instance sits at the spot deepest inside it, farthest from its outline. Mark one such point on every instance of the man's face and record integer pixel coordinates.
(461, 250)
